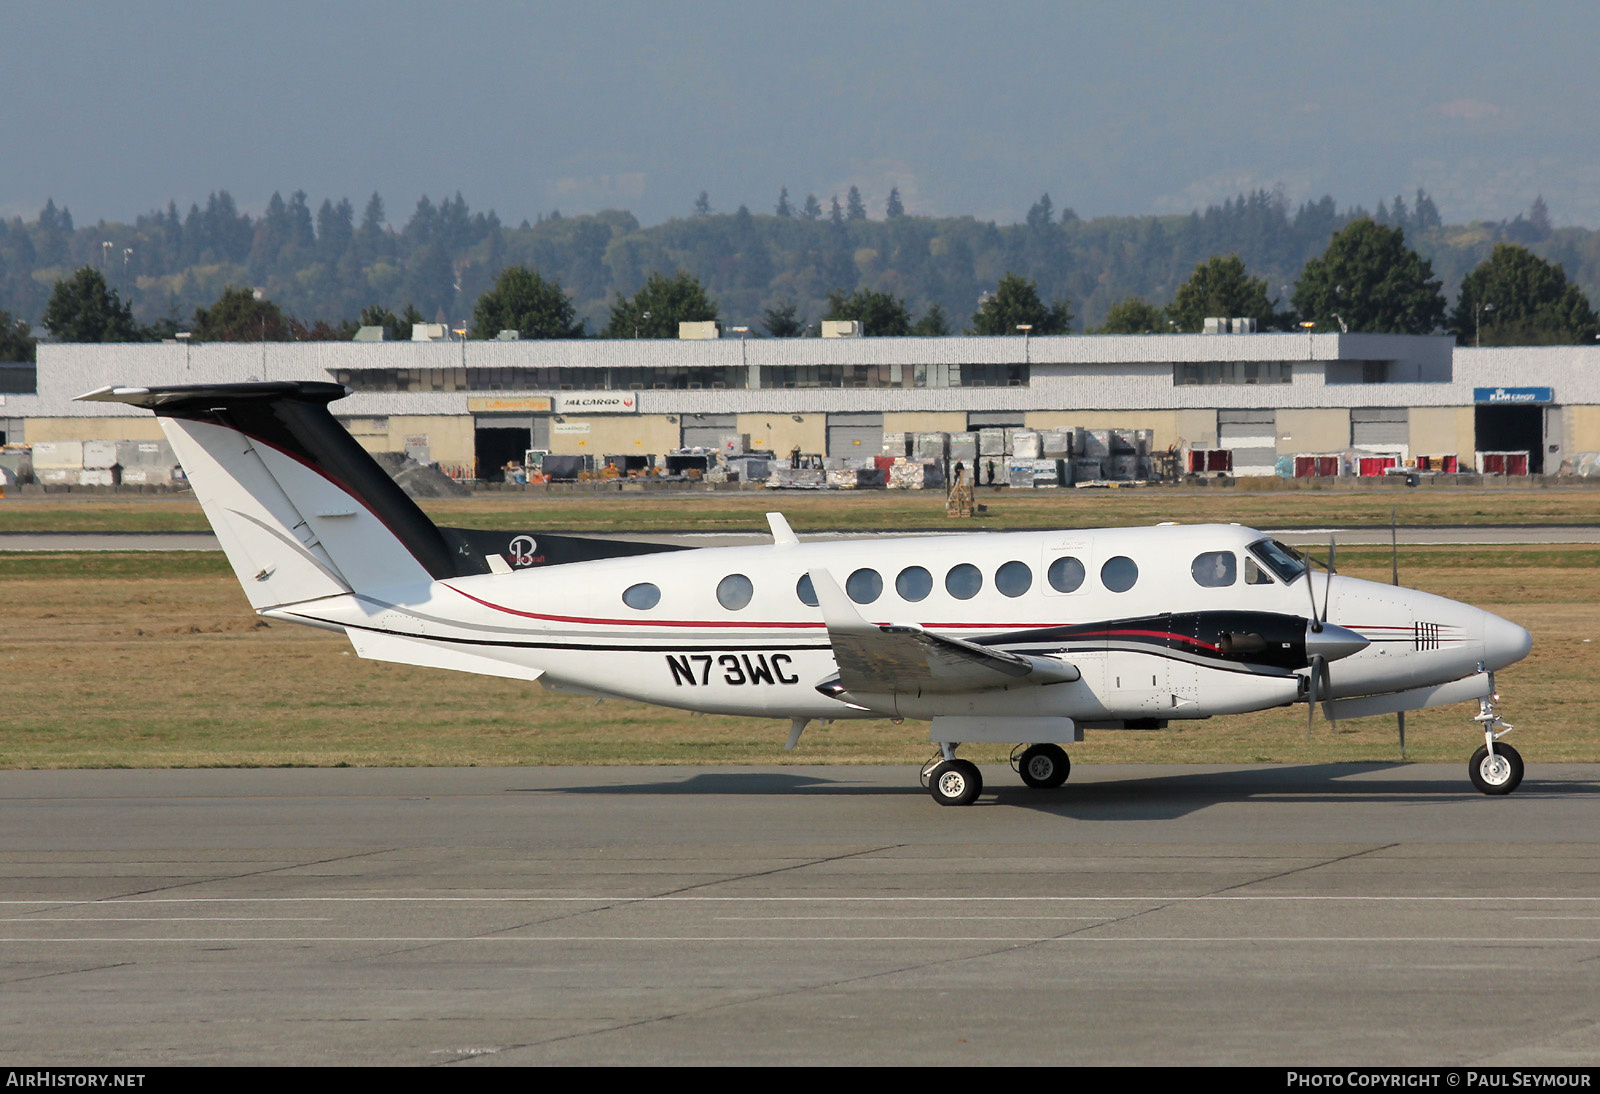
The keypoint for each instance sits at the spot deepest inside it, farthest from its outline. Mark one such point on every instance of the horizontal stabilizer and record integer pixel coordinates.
(404, 650)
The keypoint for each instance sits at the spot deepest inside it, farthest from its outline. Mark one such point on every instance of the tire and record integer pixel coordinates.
(1500, 777)
(955, 782)
(1044, 767)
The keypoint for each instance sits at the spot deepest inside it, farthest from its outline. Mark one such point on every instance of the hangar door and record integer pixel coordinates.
(499, 439)
(1513, 429)
(1253, 436)
(1382, 427)
(707, 430)
(855, 435)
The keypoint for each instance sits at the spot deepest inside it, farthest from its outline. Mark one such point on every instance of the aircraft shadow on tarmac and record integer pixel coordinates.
(1153, 797)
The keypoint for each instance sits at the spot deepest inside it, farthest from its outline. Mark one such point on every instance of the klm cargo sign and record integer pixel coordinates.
(1513, 396)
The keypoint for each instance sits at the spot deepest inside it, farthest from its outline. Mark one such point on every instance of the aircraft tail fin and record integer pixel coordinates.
(301, 509)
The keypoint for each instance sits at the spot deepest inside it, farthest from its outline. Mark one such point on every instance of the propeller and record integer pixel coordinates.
(1394, 570)
(1324, 641)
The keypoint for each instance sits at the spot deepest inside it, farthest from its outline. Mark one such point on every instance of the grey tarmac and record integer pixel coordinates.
(1157, 914)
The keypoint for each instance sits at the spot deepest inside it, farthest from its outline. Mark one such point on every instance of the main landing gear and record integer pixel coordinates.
(1494, 768)
(958, 782)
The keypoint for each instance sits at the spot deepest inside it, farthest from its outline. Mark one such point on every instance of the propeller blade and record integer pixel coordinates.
(1401, 718)
(1311, 593)
(1317, 690)
(1394, 565)
(1327, 585)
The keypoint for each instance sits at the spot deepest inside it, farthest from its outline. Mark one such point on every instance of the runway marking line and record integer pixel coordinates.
(624, 899)
(1476, 940)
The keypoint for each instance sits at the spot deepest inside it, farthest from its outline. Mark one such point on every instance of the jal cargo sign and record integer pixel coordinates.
(1513, 395)
(599, 402)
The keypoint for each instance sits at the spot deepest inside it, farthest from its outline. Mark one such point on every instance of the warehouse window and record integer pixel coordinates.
(864, 586)
(641, 597)
(1119, 574)
(1013, 579)
(913, 584)
(1066, 574)
(1188, 373)
(964, 581)
(734, 592)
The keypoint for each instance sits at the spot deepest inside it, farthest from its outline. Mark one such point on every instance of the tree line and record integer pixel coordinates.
(222, 274)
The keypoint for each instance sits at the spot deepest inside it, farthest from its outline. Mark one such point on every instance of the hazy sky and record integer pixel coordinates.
(1137, 107)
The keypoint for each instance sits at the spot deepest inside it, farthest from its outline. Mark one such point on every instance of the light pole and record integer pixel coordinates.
(184, 336)
(127, 253)
(105, 254)
(1306, 326)
(461, 333)
(1477, 316)
(642, 315)
(1026, 329)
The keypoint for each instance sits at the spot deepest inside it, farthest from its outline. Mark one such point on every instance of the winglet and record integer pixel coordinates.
(782, 534)
(838, 613)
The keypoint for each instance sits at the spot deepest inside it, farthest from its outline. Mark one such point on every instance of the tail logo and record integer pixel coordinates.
(522, 551)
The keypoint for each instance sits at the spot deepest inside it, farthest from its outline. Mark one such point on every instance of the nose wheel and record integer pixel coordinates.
(1496, 772)
(1495, 768)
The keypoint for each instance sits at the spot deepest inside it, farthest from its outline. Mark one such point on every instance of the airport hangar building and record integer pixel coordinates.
(1266, 395)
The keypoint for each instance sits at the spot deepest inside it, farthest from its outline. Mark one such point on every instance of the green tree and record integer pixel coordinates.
(1533, 303)
(238, 316)
(523, 301)
(857, 207)
(933, 324)
(1220, 286)
(1371, 280)
(395, 328)
(656, 310)
(1134, 315)
(880, 314)
(1015, 302)
(784, 320)
(894, 208)
(784, 209)
(83, 309)
(812, 209)
(16, 339)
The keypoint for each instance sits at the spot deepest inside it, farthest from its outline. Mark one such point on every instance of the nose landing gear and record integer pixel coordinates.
(1494, 768)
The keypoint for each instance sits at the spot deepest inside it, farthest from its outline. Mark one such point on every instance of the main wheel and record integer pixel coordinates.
(955, 782)
(1497, 774)
(1044, 767)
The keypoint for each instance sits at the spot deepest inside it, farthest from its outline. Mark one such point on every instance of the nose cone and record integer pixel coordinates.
(1504, 643)
(1333, 641)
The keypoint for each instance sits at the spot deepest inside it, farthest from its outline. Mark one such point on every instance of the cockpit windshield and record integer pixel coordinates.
(1281, 560)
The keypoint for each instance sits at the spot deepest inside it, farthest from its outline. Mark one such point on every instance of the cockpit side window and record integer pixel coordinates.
(1254, 574)
(1215, 569)
(1281, 560)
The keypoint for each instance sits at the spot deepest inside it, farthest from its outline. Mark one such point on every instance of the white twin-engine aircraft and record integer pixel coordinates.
(1003, 637)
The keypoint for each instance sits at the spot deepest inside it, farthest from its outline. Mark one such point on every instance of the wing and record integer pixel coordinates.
(876, 658)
